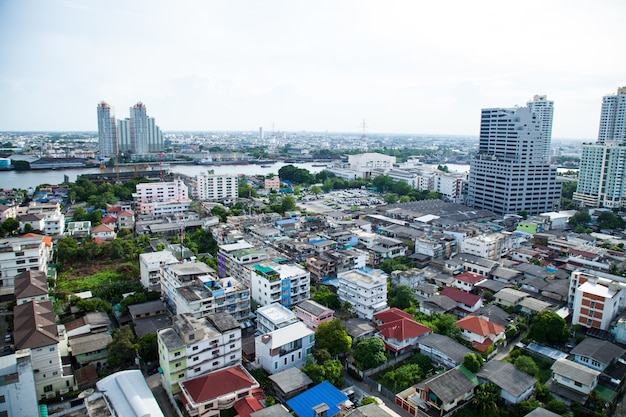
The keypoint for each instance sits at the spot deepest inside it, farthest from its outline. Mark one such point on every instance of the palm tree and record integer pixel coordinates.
(486, 397)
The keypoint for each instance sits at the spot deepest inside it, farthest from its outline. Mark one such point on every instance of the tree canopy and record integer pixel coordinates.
(369, 353)
(333, 337)
(547, 326)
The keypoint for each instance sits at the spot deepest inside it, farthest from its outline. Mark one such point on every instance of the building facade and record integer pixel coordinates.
(365, 289)
(162, 197)
(510, 173)
(107, 130)
(286, 284)
(284, 348)
(217, 186)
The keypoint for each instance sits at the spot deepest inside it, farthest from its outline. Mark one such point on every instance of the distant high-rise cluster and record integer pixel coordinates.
(138, 135)
(602, 175)
(511, 172)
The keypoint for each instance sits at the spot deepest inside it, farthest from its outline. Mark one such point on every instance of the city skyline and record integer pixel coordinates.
(403, 67)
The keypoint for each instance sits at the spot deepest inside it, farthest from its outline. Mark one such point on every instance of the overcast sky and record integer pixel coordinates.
(421, 67)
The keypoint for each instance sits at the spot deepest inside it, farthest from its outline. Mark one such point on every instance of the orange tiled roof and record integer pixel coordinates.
(479, 326)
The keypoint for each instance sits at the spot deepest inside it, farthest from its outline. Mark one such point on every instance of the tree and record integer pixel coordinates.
(486, 398)
(402, 297)
(547, 326)
(608, 220)
(148, 348)
(221, 212)
(369, 353)
(405, 376)
(288, 203)
(10, 226)
(326, 298)
(332, 336)
(391, 198)
(122, 348)
(315, 371)
(382, 183)
(473, 362)
(581, 218)
(526, 364)
(316, 190)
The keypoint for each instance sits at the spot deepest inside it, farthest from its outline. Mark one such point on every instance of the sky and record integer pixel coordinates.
(416, 67)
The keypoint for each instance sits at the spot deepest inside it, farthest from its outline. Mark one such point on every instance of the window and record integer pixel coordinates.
(177, 354)
(194, 348)
(47, 388)
(2, 399)
(55, 373)
(19, 253)
(181, 375)
(232, 345)
(52, 350)
(578, 384)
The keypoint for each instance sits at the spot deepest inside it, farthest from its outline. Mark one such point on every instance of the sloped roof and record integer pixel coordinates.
(479, 326)
(445, 345)
(102, 228)
(443, 302)
(89, 343)
(574, 371)
(108, 219)
(324, 392)
(218, 383)
(35, 325)
(461, 296)
(450, 385)
(600, 350)
(507, 377)
(392, 314)
(402, 329)
(469, 277)
(31, 284)
(31, 218)
(47, 240)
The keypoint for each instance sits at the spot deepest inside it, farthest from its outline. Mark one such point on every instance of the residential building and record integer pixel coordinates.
(19, 254)
(595, 300)
(17, 390)
(574, 376)
(195, 346)
(491, 246)
(289, 383)
(597, 354)
(162, 198)
(466, 281)
(272, 317)
(104, 232)
(466, 303)
(284, 348)
(399, 330)
(515, 385)
(31, 286)
(366, 162)
(312, 313)
(107, 131)
(602, 164)
(272, 183)
(34, 222)
(480, 333)
(510, 172)
(145, 135)
(7, 212)
(124, 393)
(217, 186)
(324, 399)
(206, 395)
(150, 265)
(79, 229)
(442, 349)
(287, 284)
(90, 349)
(449, 185)
(444, 392)
(543, 109)
(509, 297)
(232, 258)
(365, 289)
(36, 331)
(126, 220)
(178, 275)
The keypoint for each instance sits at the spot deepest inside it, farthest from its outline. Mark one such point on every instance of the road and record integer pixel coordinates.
(361, 389)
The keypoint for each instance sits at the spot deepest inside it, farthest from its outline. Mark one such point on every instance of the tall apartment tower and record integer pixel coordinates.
(601, 179)
(107, 130)
(543, 110)
(510, 173)
(145, 135)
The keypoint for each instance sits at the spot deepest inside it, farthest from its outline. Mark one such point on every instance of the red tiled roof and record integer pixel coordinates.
(479, 326)
(114, 209)
(392, 314)
(402, 329)
(218, 383)
(482, 347)
(108, 219)
(461, 296)
(75, 324)
(46, 239)
(102, 228)
(469, 277)
(125, 213)
(247, 406)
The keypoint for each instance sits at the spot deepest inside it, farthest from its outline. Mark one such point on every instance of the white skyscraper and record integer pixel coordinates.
(145, 135)
(602, 175)
(510, 172)
(544, 111)
(107, 130)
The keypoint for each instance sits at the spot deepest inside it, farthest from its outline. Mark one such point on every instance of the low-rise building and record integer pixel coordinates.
(273, 317)
(30, 252)
(287, 284)
(480, 332)
(31, 286)
(365, 289)
(574, 376)
(18, 386)
(442, 349)
(312, 313)
(284, 348)
(515, 386)
(150, 265)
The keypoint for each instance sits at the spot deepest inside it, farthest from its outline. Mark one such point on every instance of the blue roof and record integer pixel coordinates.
(287, 221)
(324, 392)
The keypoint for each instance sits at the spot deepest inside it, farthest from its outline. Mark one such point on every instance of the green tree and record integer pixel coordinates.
(391, 198)
(326, 298)
(332, 372)
(486, 398)
(122, 348)
(315, 371)
(581, 218)
(148, 349)
(402, 297)
(608, 220)
(404, 377)
(547, 326)
(316, 190)
(473, 362)
(288, 203)
(332, 336)
(10, 226)
(221, 212)
(369, 353)
(382, 183)
(569, 187)
(526, 364)
(368, 400)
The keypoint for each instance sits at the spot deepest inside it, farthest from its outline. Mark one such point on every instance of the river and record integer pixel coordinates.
(31, 179)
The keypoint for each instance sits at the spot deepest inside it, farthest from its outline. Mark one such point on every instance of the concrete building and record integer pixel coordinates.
(17, 390)
(31, 286)
(449, 185)
(183, 274)
(233, 257)
(595, 299)
(19, 254)
(510, 173)
(36, 331)
(492, 246)
(312, 313)
(602, 165)
(107, 131)
(150, 265)
(543, 109)
(365, 289)
(366, 162)
(160, 196)
(286, 284)
(217, 186)
(196, 346)
(145, 135)
(284, 348)
(272, 183)
(127, 394)
(273, 317)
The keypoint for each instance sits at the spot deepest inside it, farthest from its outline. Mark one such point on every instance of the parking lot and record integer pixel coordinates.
(340, 200)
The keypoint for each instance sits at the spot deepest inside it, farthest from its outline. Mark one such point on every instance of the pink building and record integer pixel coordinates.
(312, 313)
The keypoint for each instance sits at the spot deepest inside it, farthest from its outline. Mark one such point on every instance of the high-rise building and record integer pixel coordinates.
(601, 179)
(510, 173)
(543, 110)
(107, 130)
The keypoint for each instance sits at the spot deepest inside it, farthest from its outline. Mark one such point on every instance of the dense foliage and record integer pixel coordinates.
(333, 337)
(369, 353)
